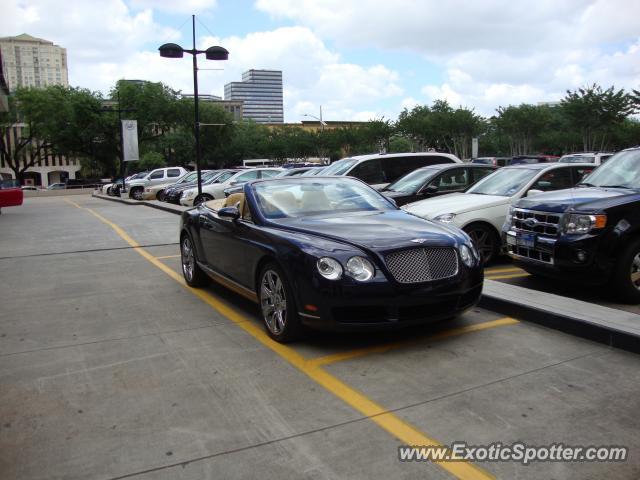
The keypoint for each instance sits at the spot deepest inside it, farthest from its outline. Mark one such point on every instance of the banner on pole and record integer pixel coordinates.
(130, 140)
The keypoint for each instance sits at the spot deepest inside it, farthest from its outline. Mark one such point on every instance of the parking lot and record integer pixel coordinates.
(110, 367)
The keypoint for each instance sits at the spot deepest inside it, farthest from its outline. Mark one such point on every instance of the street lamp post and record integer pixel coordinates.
(322, 124)
(172, 50)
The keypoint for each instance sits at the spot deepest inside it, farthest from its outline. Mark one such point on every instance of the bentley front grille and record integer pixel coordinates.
(417, 265)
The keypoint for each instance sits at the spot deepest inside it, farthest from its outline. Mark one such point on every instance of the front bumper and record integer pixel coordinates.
(187, 202)
(383, 304)
(566, 257)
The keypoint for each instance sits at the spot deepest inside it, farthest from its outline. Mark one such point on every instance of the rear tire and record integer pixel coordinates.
(485, 240)
(277, 305)
(626, 276)
(160, 196)
(192, 273)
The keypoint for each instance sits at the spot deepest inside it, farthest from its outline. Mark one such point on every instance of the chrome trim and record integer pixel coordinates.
(308, 316)
(230, 284)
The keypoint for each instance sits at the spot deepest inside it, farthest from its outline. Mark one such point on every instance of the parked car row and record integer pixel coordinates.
(334, 253)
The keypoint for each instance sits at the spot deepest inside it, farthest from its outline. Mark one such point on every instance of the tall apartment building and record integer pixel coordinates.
(33, 62)
(261, 94)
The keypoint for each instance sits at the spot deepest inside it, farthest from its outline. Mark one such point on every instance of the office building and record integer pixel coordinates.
(261, 94)
(33, 62)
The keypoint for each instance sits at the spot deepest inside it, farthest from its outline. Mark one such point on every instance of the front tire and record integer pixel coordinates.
(136, 193)
(192, 273)
(626, 276)
(277, 305)
(485, 240)
(202, 199)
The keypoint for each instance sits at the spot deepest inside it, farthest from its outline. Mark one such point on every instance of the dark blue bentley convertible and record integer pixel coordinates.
(329, 253)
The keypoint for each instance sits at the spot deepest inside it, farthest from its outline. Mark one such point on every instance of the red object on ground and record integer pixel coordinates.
(10, 197)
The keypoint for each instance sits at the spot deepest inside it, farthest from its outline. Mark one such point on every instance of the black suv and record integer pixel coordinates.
(590, 233)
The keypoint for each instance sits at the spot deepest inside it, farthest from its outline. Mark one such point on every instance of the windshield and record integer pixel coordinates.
(483, 161)
(411, 182)
(340, 167)
(578, 159)
(189, 177)
(302, 197)
(621, 170)
(504, 182)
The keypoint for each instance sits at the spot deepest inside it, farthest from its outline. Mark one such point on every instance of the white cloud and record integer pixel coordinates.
(184, 6)
(434, 27)
(495, 52)
(312, 74)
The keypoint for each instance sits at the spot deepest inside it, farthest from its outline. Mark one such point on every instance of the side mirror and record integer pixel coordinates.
(430, 189)
(533, 192)
(229, 212)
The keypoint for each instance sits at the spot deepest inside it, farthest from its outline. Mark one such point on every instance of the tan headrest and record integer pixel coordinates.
(235, 199)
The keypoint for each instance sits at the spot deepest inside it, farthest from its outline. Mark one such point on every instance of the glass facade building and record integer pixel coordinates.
(261, 94)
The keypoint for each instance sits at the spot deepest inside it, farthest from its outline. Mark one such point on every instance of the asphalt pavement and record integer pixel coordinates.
(110, 367)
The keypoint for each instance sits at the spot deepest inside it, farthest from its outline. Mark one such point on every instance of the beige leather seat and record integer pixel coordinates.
(285, 201)
(235, 200)
(315, 201)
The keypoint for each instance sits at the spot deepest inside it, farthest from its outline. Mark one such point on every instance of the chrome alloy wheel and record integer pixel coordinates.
(484, 243)
(188, 259)
(273, 301)
(635, 271)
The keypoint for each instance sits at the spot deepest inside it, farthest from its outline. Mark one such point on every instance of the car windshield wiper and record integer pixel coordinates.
(616, 186)
(585, 184)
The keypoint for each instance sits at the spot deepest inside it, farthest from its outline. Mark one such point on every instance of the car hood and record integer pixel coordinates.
(592, 198)
(454, 203)
(375, 230)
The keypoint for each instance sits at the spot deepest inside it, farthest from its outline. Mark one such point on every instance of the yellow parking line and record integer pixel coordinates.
(361, 352)
(388, 421)
(489, 271)
(504, 277)
(167, 256)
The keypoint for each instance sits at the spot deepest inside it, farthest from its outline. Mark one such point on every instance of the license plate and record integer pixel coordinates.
(527, 240)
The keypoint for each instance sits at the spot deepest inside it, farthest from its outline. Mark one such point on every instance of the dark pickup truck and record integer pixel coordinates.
(589, 234)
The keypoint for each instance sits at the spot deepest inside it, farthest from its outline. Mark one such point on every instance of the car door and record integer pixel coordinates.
(475, 174)
(580, 172)
(555, 179)
(450, 181)
(156, 177)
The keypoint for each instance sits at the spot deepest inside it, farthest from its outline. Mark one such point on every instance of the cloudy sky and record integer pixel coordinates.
(359, 59)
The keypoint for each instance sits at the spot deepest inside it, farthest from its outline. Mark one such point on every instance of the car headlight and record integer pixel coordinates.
(360, 268)
(509, 217)
(445, 218)
(467, 255)
(188, 194)
(329, 268)
(578, 223)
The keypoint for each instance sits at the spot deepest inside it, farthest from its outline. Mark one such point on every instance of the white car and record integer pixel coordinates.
(155, 192)
(597, 158)
(215, 191)
(481, 210)
(159, 175)
(380, 169)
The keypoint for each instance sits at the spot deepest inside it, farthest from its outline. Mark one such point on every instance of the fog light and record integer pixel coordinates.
(581, 255)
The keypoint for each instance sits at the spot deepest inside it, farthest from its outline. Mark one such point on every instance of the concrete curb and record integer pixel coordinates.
(612, 327)
(176, 209)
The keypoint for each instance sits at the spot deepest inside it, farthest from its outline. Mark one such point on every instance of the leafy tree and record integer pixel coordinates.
(151, 160)
(54, 120)
(596, 112)
(522, 125)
